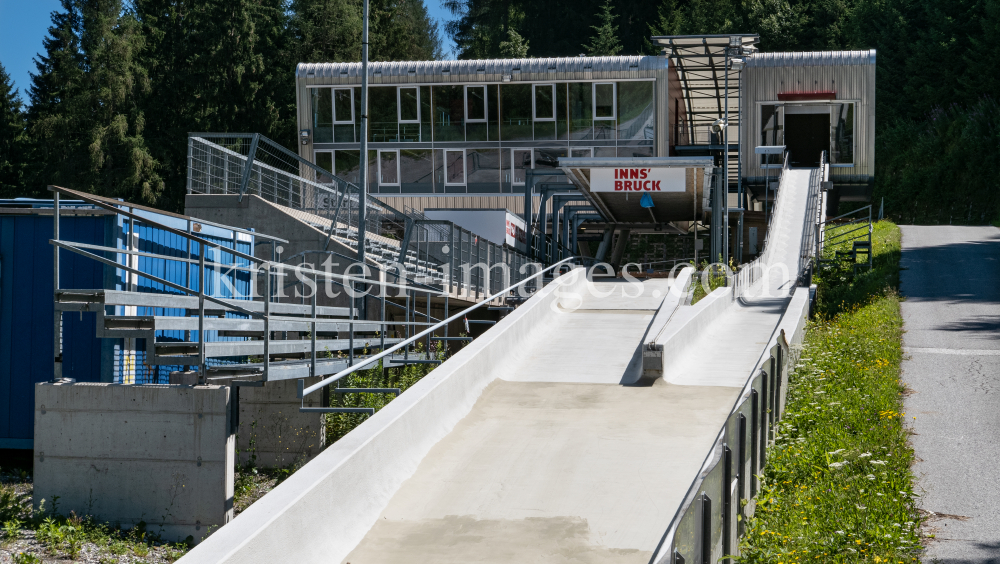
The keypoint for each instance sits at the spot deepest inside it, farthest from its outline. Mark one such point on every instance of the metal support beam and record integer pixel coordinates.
(616, 255)
(602, 249)
(251, 155)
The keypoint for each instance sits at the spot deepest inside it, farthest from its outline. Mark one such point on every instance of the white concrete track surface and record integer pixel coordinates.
(725, 354)
(531, 445)
(557, 462)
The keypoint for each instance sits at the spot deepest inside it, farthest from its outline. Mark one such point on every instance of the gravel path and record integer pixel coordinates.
(951, 313)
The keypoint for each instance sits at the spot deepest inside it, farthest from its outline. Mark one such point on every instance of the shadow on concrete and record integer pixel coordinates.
(989, 554)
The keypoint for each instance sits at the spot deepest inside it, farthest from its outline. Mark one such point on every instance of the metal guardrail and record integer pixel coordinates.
(304, 391)
(262, 318)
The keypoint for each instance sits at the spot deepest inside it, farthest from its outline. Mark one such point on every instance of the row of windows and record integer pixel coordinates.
(507, 112)
(481, 171)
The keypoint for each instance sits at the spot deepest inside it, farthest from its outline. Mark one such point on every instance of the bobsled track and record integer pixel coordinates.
(601, 421)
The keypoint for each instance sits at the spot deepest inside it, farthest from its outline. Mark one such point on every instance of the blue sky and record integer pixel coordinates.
(23, 24)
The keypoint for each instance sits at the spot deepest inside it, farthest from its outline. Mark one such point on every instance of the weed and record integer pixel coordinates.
(11, 531)
(26, 558)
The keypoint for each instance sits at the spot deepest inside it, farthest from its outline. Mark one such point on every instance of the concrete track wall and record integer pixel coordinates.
(324, 510)
(706, 527)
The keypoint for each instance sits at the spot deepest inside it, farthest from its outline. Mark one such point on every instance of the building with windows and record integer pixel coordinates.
(469, 130)
(470, 134)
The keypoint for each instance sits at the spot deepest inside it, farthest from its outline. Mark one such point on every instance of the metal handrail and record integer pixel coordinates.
(303, 391)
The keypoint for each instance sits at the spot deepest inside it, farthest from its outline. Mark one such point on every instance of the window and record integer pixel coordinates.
(771, 131)
(322, 108)
(842, 153)
(449, 118)
(587, 152)
(383, 121)
(324, 160)
(415, 170)
(343, 106)
(388, 168)
(545, 102)
(454, 174)
(581, 110)
(515, 112)
(409, 104)
(604, 100)
(634, 102)
(514, 168)
(475, 104)
(482, 170)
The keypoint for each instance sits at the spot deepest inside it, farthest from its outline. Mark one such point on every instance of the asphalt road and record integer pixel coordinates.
(951, 314)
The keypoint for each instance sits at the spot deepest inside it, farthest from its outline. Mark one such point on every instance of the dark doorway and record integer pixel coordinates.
(806, 137)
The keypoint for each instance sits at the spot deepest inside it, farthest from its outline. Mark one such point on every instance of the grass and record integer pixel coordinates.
(838, 487)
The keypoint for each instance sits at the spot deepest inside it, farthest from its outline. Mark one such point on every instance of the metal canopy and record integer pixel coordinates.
(625, 208)
(700, 61)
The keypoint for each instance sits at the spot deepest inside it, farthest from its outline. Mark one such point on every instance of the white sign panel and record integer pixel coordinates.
(662, 179)
(516, 236)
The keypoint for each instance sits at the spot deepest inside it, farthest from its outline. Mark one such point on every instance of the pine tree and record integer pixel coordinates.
(13, 141)
(120, 162)
(604, 42)
(515, 47)
(326, 30)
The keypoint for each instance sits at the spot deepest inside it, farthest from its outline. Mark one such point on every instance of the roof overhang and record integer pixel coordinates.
(625, 207)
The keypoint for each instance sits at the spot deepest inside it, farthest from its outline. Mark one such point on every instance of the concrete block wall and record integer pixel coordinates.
(272, 428)
(125, 453)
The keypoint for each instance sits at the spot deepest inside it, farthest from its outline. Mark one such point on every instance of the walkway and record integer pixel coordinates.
(951, 314)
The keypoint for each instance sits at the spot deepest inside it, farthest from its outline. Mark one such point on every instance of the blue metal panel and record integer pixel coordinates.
(6, 320)
(26, 313)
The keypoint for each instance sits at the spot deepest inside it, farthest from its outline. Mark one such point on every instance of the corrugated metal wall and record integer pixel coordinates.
(850, 74)
(26, 301)
(26, 313)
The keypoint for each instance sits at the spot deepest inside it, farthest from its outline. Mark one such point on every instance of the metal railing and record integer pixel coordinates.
(259, 320)
(304, 391)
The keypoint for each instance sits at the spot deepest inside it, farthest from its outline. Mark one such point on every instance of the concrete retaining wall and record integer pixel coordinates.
(273, 430)
(129, 453)
(323, 511)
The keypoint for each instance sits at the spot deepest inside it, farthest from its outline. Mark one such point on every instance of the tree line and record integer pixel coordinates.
(119, 86)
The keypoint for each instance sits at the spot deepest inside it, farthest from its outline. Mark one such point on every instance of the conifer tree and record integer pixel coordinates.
(13, 142)
(515, 47)
(605, 41)
(56, 145)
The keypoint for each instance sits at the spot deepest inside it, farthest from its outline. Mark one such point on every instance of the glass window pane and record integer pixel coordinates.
(843, 150)
(605, 152)
(635, 110)
(342, 105)
(382, 112)
(449, 115)
(581, 153)
(322, 105)
(493, 108)
(771, 130)
(604, 101)
(545, 130)
(544, 101)
(388, 167)
(409, 104)
(562, 117)
(581, 111)
(325, 161)
(515, 116)
(415, 171)
(347, 165)
(455, 167)
(426, 114)
(522, 162)
(482, 170)
(549, 159)
(476, 100)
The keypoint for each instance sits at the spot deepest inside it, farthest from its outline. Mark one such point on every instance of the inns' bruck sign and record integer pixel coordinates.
(638, 179)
